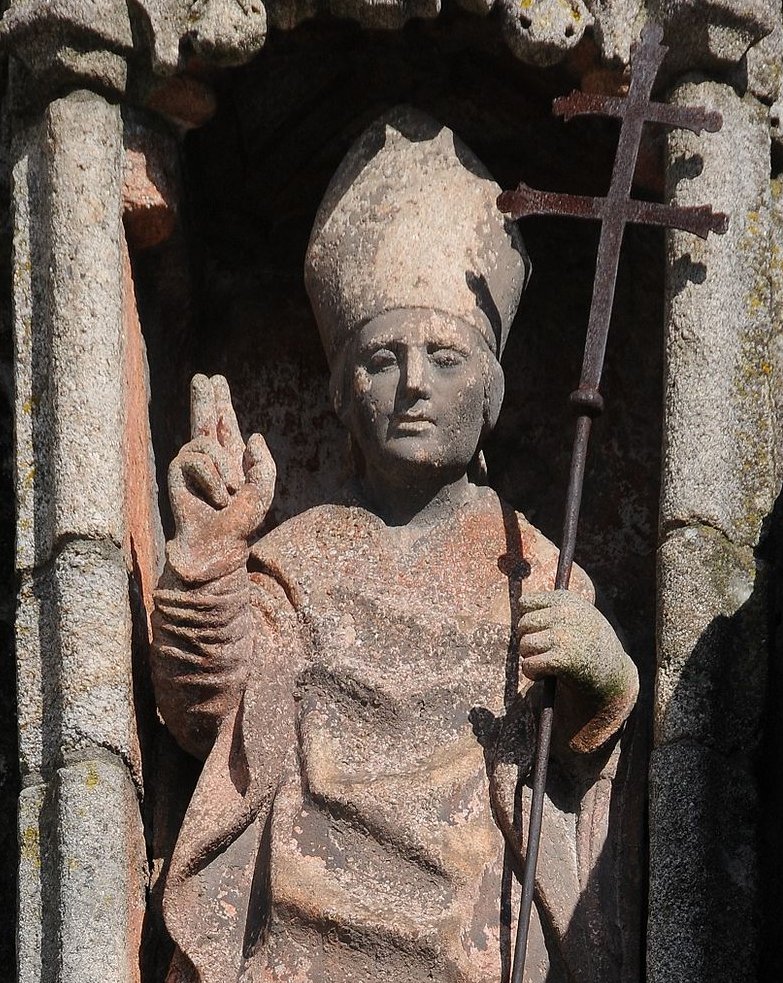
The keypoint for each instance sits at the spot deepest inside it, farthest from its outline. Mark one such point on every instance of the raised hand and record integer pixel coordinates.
(563, 635)
(220, 487)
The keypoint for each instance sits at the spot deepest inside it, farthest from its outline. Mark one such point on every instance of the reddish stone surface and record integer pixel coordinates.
(354, 687)
(256, 175)
(143, 536)
(361, 682)
(149, 205)
(185, 100)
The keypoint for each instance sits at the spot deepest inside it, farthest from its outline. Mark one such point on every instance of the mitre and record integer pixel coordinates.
(410, 221)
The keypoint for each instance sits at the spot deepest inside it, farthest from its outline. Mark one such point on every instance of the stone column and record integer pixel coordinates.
(83, 856)
(719, 485)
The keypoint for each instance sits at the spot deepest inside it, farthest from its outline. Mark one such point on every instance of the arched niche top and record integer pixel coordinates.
(126, 47)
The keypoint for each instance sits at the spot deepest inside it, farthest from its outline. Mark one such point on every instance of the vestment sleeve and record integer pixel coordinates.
(207, 638)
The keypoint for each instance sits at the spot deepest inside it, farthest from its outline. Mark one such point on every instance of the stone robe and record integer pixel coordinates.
(354, 693)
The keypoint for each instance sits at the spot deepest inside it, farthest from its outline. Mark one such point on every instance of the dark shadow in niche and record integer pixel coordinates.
(771, 761)
(716, 777)
(255, 176)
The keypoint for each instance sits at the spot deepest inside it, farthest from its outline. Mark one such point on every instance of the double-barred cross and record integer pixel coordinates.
(617, 209)
(614, 211)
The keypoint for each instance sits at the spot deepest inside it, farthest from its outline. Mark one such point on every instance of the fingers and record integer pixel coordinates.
(538, 601)
(201, 476)
(536, 643)
(216, 468)
(259, 468)
(196, 472)
(536, 620)
(539, 666)
(212, 449)
(212, 417)
(227, 430)
(203, 415)
(541, 641)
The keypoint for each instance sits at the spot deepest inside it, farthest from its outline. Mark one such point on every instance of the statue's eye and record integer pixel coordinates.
(446, 357)
(381, 359)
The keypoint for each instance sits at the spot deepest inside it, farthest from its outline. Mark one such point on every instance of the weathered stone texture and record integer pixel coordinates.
(776, 298)
(29, 927)
(704, 912)
(68, 324)
(721, 467)
(712, 33)
(74, 41)
(711, 671)
(719, 442)
(764, 62)
(226, 32)
(73, 660)
(385, 14)
(720, 480)
(67, 41)
(542, 31)
(82, 876)
(144, 545)
(148, 193)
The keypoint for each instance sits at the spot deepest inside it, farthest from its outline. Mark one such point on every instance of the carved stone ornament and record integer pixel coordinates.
(361, 681)
(109, 44)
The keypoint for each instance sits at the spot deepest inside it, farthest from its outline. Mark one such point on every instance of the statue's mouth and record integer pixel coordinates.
(412, 423)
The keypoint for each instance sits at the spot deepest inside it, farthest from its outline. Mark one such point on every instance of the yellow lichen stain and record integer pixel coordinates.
(92, 779)
(30, 404)
(29, 477)
(775, 259)
(526, 4)
(30, 846)
(766, 368)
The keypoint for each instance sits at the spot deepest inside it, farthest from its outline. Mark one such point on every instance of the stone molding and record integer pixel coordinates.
(126, 47)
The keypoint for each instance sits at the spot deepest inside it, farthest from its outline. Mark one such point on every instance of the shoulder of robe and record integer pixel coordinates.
(304, 541)
(527, 545)
(310, 531)
(542, 550)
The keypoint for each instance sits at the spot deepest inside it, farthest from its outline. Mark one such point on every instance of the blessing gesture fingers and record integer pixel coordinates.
(563, 635)
(220, 487)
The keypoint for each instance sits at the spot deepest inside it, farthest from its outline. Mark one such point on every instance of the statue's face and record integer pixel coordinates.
(417, 393)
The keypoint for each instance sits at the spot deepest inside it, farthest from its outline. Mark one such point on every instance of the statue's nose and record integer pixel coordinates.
(416, 374)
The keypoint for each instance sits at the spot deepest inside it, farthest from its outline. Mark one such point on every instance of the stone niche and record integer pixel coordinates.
(214, 129)
(250, 182)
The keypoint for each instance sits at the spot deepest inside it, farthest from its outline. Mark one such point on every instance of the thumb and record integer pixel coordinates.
(259, 467)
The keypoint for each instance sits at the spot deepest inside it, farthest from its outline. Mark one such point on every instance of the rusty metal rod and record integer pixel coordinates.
(614, 211)
(541, 766)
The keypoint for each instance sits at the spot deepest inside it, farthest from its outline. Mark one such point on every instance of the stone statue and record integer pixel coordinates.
(360, 682)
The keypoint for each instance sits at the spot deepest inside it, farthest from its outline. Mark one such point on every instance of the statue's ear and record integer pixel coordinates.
(494, 391)
(337, 383)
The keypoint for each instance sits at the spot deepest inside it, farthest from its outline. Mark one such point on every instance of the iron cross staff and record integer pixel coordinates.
(614, 211)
